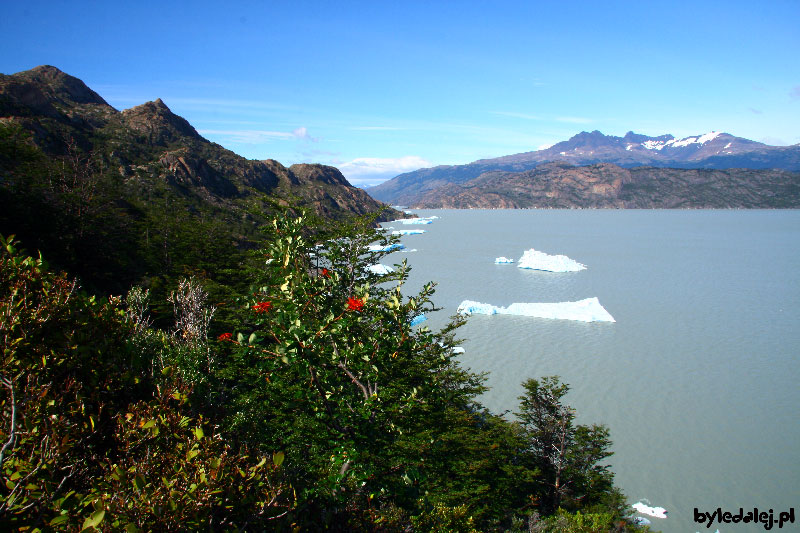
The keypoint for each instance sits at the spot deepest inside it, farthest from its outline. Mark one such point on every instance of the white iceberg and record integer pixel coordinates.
(380, 269)
(458, 350)
(469, 307)
(658, 512)
(410, 221)
(536, 260)
(502, 260)
(588, 310)
(408, 231)
(408, 251)
(387, 248)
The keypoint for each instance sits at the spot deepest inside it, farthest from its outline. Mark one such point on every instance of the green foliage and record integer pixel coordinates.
(175, 472)
(568, 456)
(320, 408)
(66, 373)
(71, 459)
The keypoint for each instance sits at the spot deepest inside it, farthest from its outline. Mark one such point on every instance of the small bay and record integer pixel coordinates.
(697, 379)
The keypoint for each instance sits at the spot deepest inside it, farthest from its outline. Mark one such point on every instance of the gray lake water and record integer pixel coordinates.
(698, 379)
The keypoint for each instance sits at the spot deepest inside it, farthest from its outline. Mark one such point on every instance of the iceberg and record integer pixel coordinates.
(469, 307)
(536, 260)
(409, 221)
(658, 512)
(387, 248)
(587, 310)
(380, 269)
(408, 231)
(458, 350)
(419, 319)
(641, 521)
(502, 260)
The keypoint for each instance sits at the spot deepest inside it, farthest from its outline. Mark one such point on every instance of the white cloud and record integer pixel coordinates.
(774, 141)
(373, 170)
(257, 136)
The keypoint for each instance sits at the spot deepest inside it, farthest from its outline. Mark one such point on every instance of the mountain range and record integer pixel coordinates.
(123, 197)
(709, 151)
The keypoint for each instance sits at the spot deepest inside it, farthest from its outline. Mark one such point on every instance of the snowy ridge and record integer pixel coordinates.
(676, 143)
(588, 310)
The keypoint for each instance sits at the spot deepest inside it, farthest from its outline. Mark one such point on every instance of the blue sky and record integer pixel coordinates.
(378, 88)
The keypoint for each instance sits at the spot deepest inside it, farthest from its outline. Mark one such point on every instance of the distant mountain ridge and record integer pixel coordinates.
(605, 185)
(712, 150)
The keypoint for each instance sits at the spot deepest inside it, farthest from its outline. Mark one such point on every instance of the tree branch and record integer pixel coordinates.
(13, 432)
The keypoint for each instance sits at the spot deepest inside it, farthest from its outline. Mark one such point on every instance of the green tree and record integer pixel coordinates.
(569, 457)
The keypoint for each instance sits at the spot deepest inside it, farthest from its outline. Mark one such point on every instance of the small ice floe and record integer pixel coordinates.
(641, 521)
(387, 248)
(458, 349)
(414, 221)
(380, 269)
(408, 251)
(419, 319)
(587, 310)
(408, 232)
(503, 260)
(536, 260)
(658, 512)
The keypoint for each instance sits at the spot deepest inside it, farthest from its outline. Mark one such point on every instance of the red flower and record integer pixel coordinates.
(325, 273)
(225, 336)
(355, 304)
(262, 307)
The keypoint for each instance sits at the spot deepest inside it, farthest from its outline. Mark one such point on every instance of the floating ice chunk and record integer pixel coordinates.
(503, 259)
(469, 307)
(419, 319)
(588, 310)
(408, 231)
(536, 260)
(387, 248)
(458, 349)
(380, 269)
(658, 512)
(409, 221)
(641, 521)
(408, 251)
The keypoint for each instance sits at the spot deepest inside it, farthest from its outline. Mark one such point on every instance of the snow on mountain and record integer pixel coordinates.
(675, 143)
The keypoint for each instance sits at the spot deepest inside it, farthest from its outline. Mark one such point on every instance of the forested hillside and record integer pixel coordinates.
(192, 341)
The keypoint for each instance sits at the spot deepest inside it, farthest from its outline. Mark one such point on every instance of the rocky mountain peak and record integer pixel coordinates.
(305, 172)
(158, 122)
(65, 87)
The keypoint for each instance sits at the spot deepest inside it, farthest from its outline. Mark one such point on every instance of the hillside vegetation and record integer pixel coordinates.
(200, 357)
